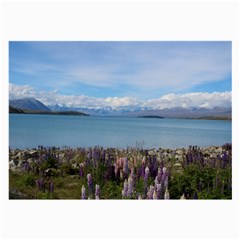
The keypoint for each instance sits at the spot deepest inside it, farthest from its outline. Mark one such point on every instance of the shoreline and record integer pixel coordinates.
(74, 113)
(65, 147)
(113, 173)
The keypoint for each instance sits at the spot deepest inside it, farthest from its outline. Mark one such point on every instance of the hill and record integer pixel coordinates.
(28, 104)
(15, 110)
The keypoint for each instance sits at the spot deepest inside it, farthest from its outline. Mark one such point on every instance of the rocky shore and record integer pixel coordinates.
(113, 173)
(18, 157)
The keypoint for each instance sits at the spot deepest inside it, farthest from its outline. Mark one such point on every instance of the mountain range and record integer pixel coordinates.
(178, 112)
(214, 113)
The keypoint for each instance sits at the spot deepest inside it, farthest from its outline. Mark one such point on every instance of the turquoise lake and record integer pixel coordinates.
(29, 131)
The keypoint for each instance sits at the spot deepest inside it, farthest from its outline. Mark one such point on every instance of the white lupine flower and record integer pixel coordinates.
(182, 197)
(166, 195)
(130, 187)
(147, 170)
(150, 192)
(97, 191)
(155, 195)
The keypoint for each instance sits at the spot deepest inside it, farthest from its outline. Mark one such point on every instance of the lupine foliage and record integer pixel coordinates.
(98, 173)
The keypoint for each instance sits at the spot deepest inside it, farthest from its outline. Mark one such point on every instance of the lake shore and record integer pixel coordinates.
(113, 168)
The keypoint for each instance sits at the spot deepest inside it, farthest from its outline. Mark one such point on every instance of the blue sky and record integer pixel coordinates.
(121, 69)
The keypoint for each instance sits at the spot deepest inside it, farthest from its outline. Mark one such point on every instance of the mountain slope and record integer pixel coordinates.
(28, 104)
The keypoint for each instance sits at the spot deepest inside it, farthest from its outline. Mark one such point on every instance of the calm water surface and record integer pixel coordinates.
(27, 131)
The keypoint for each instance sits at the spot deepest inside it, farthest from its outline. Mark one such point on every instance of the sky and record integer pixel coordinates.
(122, 74)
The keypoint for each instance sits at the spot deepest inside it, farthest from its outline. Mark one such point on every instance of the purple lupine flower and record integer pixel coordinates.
(224, 160)
(26, 166)
(146, 180)
(143, 169)
(134, 177)
(84, 196)
(125, 167)
(97, 191)
(40, 184)
(125, 188)
(166, 195)
(156, 182)
(159, 174)
(90, 183)
(51, 186)
(195, 196)
(159, 190)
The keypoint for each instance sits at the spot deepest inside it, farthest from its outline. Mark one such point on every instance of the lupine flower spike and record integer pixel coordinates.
(84, 196)
(166, 195)
(125, 188)
(97, 192)
(183, 197)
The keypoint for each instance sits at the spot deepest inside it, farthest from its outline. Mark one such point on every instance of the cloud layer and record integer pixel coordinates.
(189, 100)
(145, 68)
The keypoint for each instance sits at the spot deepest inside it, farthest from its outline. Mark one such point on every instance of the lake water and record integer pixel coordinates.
(28, 131)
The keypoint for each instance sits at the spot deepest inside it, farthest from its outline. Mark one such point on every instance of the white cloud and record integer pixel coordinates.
(198, 99)
(145, 67)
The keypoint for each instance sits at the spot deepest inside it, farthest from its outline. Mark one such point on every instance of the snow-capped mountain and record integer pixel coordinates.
(137, 111)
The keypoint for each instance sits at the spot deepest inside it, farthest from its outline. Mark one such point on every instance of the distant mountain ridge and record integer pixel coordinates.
(31, 105)
(28, 104)
(186, 112)
(139, 112)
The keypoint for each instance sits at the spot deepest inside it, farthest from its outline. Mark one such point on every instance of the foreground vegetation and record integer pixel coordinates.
(98, 173)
